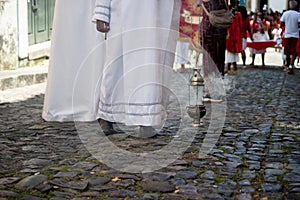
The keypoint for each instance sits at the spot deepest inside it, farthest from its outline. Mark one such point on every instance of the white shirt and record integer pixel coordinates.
(276, 32)
(291, 19)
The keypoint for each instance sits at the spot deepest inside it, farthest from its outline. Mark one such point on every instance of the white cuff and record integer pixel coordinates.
(102, 10)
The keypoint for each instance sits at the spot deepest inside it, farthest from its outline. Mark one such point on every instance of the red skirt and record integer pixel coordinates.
(298, 47)
(261, 45)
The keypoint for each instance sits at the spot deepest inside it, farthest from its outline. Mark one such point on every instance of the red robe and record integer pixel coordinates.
(234, 35)
(189, 22)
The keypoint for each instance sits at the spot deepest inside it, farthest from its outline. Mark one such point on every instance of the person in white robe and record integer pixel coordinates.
(140, 50)
(75, 63)
(182, 55)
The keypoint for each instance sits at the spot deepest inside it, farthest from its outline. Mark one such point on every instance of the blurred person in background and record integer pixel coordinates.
(258, 29)
(213, 41)
(234, 44)
(246, 29)
(291, 21)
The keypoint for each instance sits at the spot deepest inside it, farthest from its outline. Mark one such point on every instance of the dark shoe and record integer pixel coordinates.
(145, 132)
(107, 127)
(290, 70)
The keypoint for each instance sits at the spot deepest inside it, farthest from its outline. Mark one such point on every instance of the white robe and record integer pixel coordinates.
(182, 52)
(140, 53)
(75, 63)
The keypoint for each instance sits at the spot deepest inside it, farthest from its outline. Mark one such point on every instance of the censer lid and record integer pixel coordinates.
(196, 79)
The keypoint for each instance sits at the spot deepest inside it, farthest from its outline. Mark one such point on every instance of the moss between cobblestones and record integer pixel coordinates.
(256, 182)
(23, 193)
(47, 168)
(201, 170)
(103, 197)
(163, 197)
(285, 150)
(47, 195)
(237, 176)
(82, 160)
(219, 179)
(65, 168)
(245, 164)
(242, 156)
(235, 125)
(280, 178)
(50, 176)
(138, 189)
(269, 100)
(101, 174)
(13, 198)
(295, 137)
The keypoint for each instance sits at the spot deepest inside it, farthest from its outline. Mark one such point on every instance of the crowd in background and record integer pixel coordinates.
(283, 29)
(273, 32)
(272, 19)
(265, 26)
(256, 31)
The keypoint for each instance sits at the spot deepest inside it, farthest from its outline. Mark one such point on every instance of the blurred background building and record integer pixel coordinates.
(25, 31)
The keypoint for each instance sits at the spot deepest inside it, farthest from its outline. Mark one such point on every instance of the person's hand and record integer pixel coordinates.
(102, 26)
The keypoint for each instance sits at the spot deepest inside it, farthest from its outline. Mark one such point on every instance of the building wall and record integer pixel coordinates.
(8, 35)
(15, 50)
(23, 29)
(253, 5)
(277, 5)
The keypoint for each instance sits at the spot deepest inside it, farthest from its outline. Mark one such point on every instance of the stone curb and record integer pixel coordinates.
(10, 79)
(22, 80)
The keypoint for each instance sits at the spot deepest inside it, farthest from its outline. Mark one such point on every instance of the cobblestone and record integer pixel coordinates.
(257, 155)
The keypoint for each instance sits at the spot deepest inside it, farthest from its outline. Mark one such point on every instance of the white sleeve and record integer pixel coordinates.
(282, 19)
(102, 10)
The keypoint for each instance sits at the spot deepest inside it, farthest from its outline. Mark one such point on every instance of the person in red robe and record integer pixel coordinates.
(234, 43)
(246, 30)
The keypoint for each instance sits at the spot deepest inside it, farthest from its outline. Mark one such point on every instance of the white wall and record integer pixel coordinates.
(253, 5)
(23, 28)
(8, 35)
(277, 5)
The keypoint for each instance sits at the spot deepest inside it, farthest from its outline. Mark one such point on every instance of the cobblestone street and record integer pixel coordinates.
(257, 155)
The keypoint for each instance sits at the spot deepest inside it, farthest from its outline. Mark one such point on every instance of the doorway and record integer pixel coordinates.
(40, 18)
